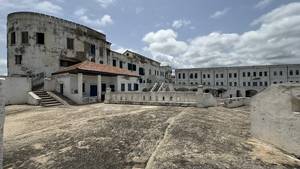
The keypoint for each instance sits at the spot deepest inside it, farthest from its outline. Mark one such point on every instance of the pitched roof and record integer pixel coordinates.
(94, 68)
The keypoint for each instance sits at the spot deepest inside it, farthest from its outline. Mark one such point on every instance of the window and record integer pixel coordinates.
(244, 83)
(217, 76)
(40, 38)
(13, 38)
(70, 43)
(133, 67)
(291, 73)
(130, 67)
(249, 84)
(266, 73)
(208, 75)
(248, 74)
(92, 50)
(254, 74)
(114, 63)
(260, 83)
(254, 83)
(83, 87)
(260, 74)
(136, 87)
(230, 83)
(179, 76)
(191, 76)
(222, 75)
(208, 83)
(266, 83)
(129, 87)
(244, 74)
(25, 38)
(107, 52)
(275, 73)
(222, 84)
(230, 75)
(121, 64)
(280, 82)
(204, 76)
(183, 75)
(297, 72)
(217, 83)
(112, 87)
(196, 75)
(235, 75)
(235, 83)
(151, 73)
(122, 87)
(18, 59)
(280, 73)
(275, 82)
(101, 62)
(141, 71)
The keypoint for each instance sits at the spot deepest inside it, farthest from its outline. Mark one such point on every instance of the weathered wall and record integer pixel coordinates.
(38, 58)
(15, 90)
(2, 118)
(162, 98)
(275, 117)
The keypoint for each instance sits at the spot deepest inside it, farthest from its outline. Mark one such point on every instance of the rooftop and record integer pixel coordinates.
(97, 69)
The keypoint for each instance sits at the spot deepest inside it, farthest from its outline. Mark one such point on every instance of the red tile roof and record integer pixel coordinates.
(94, 68)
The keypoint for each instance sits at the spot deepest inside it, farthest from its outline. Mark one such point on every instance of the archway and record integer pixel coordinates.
(251, 93)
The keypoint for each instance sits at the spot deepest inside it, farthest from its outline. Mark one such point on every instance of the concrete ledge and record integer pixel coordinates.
(236, 102)
(33, 99)
(179, 104)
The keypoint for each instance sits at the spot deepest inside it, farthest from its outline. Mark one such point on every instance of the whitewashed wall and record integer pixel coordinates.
(15, 90)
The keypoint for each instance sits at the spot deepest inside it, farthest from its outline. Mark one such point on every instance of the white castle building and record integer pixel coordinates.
(242, 81)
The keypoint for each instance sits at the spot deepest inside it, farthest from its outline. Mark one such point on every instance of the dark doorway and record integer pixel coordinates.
(93, 90)
(250, 93)
(238, 93)
(61, 89)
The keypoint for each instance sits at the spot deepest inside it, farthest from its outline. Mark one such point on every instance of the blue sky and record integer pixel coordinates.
(193, 33)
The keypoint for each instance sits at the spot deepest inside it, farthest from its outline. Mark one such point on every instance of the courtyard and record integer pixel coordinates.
(104, 136)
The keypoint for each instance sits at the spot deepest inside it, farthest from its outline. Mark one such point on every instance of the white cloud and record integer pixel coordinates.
(263, 3)
(102, 22)
(80, 12)
(219, 14)
(105, 3)
(177, 24)
(32, 5)
(276, 41)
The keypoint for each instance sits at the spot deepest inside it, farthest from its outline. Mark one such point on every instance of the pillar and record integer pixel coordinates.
(99, 87)
(79, 85)
(2, 117)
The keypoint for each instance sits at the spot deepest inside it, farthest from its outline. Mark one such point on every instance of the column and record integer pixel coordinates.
(79, 85)
(99, 87)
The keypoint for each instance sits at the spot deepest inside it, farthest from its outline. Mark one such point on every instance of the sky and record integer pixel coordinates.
(181, 33)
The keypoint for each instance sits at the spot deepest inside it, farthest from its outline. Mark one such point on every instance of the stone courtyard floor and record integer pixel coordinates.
(102, 136)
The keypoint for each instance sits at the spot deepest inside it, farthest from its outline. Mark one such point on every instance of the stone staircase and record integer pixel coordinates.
(46, 99)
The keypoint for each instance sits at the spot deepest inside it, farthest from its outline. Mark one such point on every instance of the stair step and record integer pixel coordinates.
(50, 101)
(53, 104)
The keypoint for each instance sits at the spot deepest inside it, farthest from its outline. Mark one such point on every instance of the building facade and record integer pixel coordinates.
(243, 81)
(39, 45)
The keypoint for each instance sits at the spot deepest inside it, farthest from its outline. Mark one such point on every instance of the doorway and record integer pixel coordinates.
(93, 90)
(61, 89)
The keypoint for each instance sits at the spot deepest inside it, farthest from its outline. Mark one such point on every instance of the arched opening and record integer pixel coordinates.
(250, 93)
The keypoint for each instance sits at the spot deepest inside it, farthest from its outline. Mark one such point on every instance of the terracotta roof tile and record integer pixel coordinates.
(92, 67)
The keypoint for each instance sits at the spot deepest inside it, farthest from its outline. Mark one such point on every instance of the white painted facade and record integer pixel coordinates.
(237, 81)
(77, 87)
(15, 89)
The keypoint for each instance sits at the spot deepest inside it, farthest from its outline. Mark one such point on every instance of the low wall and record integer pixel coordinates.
(275, 116)
(2, 118)
(33, 99)
(162, 98)
(236, 102)
(15, 90)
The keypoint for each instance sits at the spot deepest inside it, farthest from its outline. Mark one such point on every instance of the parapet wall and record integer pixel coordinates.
(194, 99)
(275, 117)
(2, 118)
